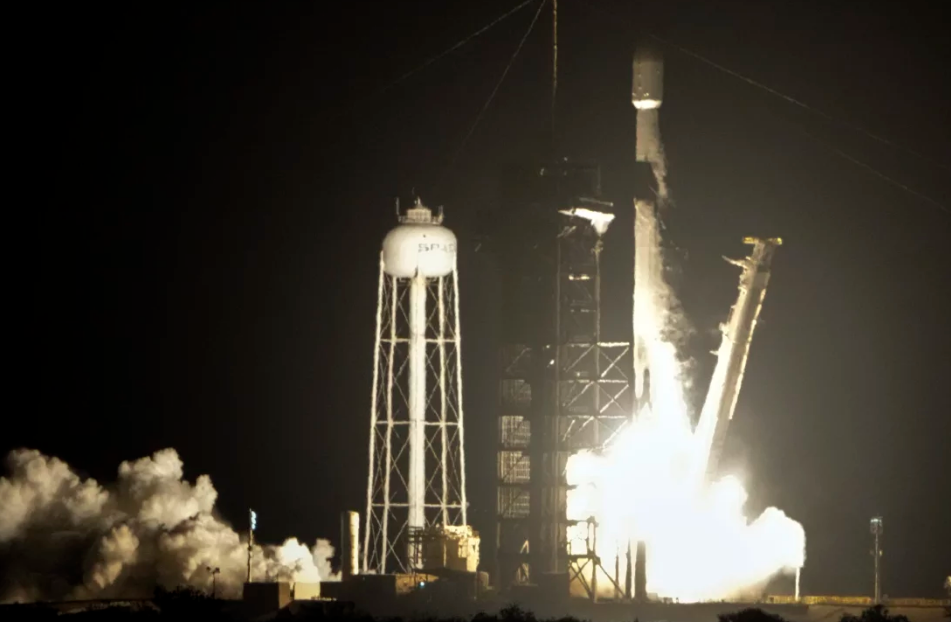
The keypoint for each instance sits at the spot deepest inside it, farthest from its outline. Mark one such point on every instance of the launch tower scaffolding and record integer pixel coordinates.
(562, 388)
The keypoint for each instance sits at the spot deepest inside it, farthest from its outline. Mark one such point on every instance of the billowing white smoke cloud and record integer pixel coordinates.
(62, 536)
(701, 545)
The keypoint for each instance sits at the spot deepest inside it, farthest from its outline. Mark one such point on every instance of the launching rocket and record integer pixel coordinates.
(650, 189)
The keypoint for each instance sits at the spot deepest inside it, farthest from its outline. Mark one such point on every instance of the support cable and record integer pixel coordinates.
(499, 83)
(828, 117)
(802, 104)
(452, 49)
(824, 115)
(879, 174)
(363, 99)
(554, 69)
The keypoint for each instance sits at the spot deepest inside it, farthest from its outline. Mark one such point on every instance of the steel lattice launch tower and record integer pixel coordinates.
(416, 480)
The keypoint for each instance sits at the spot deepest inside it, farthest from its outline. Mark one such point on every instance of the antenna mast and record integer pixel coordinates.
(554, 67)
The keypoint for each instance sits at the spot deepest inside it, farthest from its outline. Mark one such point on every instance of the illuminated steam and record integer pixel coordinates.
(700, 544)
(64, 537)
(648, 485)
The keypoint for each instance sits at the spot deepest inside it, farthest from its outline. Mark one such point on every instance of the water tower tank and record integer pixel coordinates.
(419, 245)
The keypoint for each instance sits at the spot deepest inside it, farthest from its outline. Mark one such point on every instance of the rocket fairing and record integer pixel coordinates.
(647, 87)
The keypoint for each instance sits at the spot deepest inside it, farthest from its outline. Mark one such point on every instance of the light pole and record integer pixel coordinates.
(214, 580)
(876, 528)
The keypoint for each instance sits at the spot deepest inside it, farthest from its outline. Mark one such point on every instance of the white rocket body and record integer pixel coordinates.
(647, 89)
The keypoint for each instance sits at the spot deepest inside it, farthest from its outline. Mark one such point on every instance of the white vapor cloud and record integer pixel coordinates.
(65, 537)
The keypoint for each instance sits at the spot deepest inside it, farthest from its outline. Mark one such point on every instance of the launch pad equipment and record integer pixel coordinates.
(440, 549)
(720, 403)
(563, 388)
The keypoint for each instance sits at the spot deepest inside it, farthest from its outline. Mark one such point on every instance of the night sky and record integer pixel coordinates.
(205, 191)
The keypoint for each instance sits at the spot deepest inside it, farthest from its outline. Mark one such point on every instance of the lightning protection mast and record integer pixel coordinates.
(876, 528)
(252, 525)
(416, 477)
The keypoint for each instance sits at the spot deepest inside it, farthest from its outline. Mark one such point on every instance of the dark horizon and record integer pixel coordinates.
(209, 187)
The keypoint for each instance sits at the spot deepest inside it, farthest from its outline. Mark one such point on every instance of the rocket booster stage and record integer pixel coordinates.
(650, 190)
(647, 90)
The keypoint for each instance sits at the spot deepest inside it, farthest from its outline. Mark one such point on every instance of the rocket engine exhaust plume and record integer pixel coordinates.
(645, 487)
(64, 537)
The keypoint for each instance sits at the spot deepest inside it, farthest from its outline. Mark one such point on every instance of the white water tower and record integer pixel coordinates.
(417, 461)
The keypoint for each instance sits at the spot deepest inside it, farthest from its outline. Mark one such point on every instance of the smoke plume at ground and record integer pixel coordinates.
(64, 537)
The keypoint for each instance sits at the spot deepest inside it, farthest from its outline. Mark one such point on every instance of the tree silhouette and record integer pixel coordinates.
(186, 601)
(514, 613)
(750, 615)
